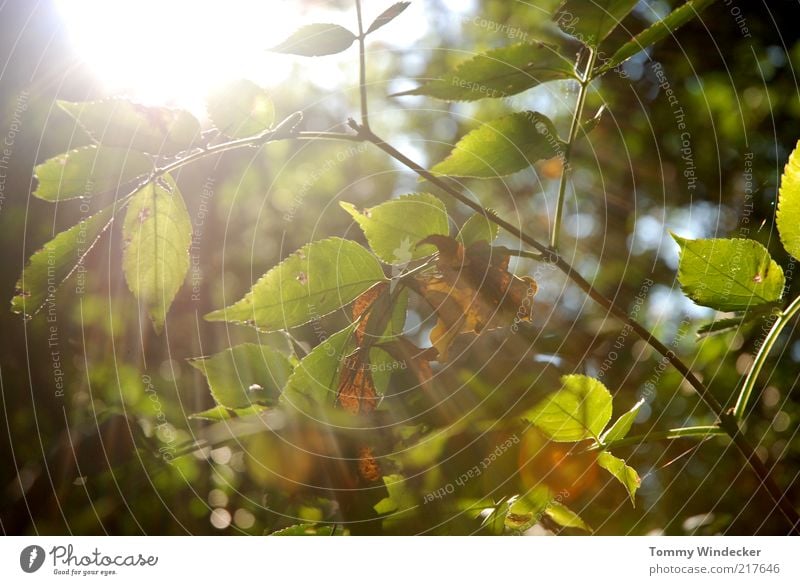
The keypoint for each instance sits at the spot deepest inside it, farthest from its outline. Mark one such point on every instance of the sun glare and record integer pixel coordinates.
(174, 51)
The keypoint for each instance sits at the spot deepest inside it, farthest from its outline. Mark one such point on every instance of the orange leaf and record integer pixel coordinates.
(472, 291)
(368, 466)
(363, 304)
(356, 393)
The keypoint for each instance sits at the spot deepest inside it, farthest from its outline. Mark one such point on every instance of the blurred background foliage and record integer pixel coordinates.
(94, 460)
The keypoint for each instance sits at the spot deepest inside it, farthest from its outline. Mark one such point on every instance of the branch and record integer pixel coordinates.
(749, 383)
(283, 130)
(656, 436)
(551, 256)
(727, 422)
(362, 67)
(577, 116)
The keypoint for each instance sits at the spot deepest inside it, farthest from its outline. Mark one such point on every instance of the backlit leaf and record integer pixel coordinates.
(88, 171)
(400, 500)
(395, 227)
(736, 323)
(220, 413)
(241, 109)
(623, 473)
(49, 267)
(478, 228)
(728, 274)
(526, 510)
(317, 279)
(245, 374)
(119, 122)
(502, 147)
(591, 21)
(305, 530)
(656, 32)
(499, 73)
(382, 365)
(157, 233)
(622, 425)
(388, 16)
(314, 40)
(580, 410)
(565, 517)
(788, 216)
(315, 379)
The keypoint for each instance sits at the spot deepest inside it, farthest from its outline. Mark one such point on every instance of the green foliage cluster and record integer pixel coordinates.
(348, 425)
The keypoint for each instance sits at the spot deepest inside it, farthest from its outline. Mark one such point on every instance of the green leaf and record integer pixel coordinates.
(622, 425)
(387, 16)
(245, 374)
(220, 413)
(241, 109)
(728, 274)
(738, 322)
(502, 147)
(788, 215)
(656, 32)
(499, 73)
(495, 522)
(305, 530)
(525, 511)
(315, 379)
(565, 517)
(314, 40)
(215, 413)
(382, 366)
(399, 500)
(478, 228)
(580, 410)
(591, 21)
(718, 326)
(156, 236)
(399, 313)
(394, 227)
(49, 267)
(625, 474)
(89, 171)
(312, 282)
(735, 323)
(119, 122)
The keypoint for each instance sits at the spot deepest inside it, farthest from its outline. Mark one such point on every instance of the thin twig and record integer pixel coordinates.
(656, 436)
(362, 67)
(577, 116)
(761, 357)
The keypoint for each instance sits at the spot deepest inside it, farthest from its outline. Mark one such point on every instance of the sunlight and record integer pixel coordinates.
(174, 51)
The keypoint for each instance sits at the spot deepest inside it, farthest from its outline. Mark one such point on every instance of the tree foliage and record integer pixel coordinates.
(339, 357)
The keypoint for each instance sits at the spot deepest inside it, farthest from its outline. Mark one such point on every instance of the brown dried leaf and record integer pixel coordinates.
(368, 467)
(363, 304)
(416, 359)
(356, 393)
(472, 291)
